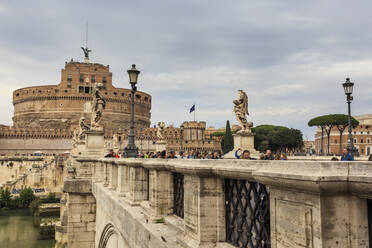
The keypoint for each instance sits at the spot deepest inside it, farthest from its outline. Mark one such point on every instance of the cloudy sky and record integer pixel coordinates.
(289, 56)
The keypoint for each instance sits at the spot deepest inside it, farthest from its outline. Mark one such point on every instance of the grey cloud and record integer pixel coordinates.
(291, 57)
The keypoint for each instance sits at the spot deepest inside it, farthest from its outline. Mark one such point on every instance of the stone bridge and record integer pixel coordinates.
(216, 203)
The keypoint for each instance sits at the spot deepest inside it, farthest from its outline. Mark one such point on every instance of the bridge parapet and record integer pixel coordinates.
(229, 203)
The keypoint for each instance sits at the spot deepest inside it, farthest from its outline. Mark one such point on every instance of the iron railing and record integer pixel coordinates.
(247, 214)
(178, 194)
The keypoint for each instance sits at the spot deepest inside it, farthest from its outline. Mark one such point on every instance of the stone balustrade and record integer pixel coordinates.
(226, 203)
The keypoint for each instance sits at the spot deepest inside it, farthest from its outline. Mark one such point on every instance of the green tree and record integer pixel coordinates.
(228, 141)
(341, 122)
(26, 196)
(277, 138)
(327, 122)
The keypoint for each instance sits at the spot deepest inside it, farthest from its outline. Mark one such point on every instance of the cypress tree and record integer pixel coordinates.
(228, 144)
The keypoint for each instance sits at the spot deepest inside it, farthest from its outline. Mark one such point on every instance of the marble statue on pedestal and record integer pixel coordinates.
(99, 104)
(244, 139)
(160, 131)
(241, 111)
(161, 142)
(115, 143)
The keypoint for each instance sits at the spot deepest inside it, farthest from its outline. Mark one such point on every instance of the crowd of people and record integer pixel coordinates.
(239, 154)
(170, 155)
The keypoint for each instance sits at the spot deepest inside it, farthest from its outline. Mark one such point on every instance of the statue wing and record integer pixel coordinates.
(245, 104)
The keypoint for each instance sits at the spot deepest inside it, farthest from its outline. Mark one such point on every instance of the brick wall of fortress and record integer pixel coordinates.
(61, 106)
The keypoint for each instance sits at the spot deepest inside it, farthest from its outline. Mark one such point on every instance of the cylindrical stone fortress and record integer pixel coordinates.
(61, 106)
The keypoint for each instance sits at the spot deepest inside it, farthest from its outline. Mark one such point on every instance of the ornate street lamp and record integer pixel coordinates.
(181, 137)
(131, 150)
(348, 88)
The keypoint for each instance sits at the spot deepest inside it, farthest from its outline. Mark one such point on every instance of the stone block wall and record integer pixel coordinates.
(80, 213)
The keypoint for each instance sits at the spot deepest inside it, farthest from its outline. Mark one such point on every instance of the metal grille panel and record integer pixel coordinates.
(178, 194)
(247, 214)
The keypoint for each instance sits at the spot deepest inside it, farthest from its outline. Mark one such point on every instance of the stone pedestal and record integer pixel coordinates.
(94, 144)
(160, 145)
(244, 141)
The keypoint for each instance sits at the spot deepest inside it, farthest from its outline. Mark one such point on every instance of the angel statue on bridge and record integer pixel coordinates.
(160, 131)
(241, 111)
(99, 104)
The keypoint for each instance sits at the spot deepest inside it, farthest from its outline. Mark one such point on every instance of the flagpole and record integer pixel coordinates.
(194, 111)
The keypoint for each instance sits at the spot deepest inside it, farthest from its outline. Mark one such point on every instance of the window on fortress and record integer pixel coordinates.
(87, 90)
(355, 141)
(368, 141)
(367, 132)
(81, 78)
(81, 89)
(122, 94)
(138, 96)
(335, 141)
(104, 80)
(69, 78)
(146, 98)
(17, 94)
(93, 79)
(361, 132)
(115, 93)
(361, 140)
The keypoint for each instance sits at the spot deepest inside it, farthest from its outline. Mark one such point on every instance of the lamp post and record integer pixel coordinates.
(348, 88)
(181, 134)
(131, 150)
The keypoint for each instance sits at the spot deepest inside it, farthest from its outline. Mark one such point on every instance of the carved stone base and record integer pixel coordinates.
(160, 145)
(94, 144)
(244, 141)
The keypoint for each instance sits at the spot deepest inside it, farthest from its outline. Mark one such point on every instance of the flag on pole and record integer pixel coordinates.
(192, 109)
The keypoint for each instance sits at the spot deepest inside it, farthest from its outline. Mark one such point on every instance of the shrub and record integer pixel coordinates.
(15, 203)
(34, 205)
(27, 196)
(51, 198)
(5, 198)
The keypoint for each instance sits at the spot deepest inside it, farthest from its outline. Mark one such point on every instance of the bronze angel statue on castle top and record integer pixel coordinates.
(241, 111)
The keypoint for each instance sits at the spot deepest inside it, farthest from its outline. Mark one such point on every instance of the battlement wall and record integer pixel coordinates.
(194, 124)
